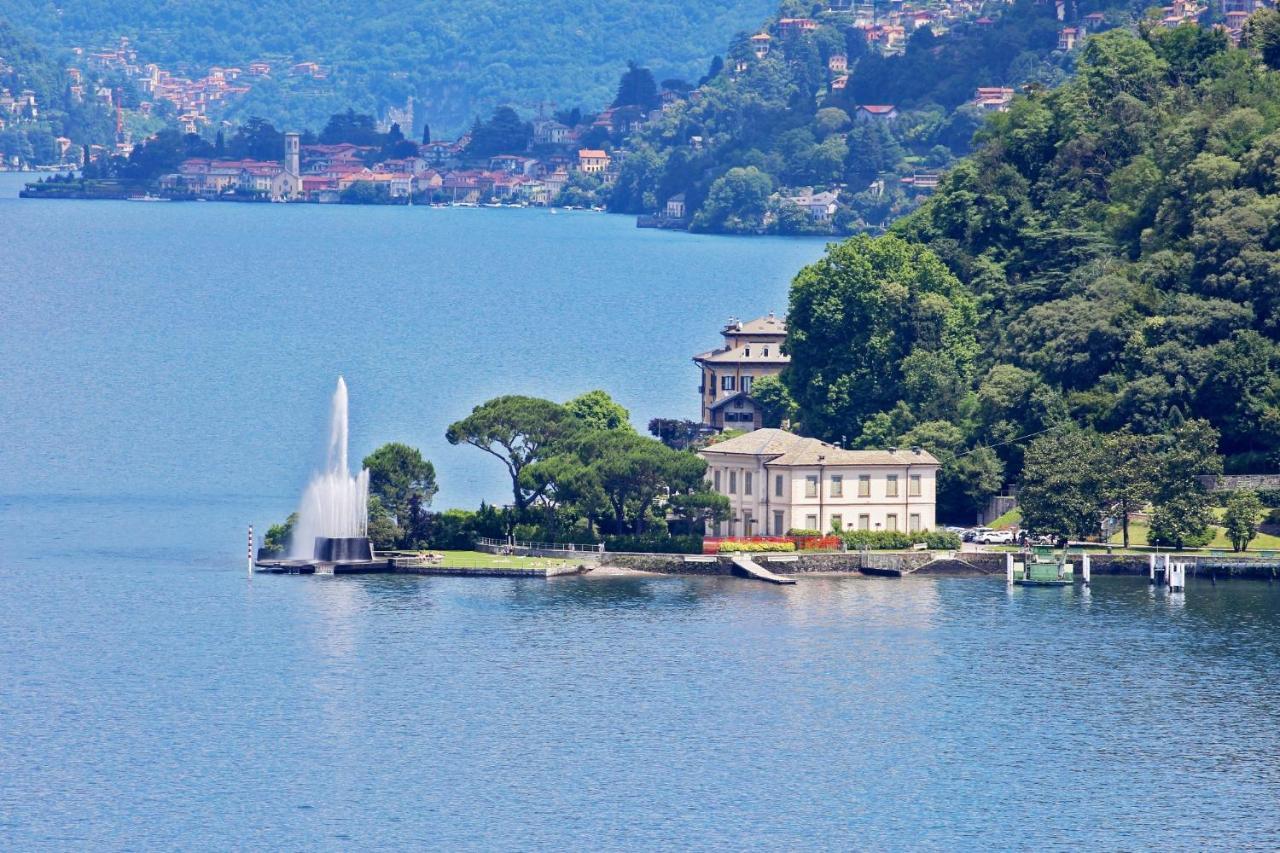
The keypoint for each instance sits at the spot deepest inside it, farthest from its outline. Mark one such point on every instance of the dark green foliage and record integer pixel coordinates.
(276, 542)
(637, 88)
(404, 484)
(872, 323)
(655, 544)
(503, 133)
(1241, 519)
(457, 59)
(767, 128)
(28, 63)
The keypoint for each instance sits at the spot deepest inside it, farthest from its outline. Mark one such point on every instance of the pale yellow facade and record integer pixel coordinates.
(777, 481)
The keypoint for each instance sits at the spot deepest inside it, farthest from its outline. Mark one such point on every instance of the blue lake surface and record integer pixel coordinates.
(164, 380)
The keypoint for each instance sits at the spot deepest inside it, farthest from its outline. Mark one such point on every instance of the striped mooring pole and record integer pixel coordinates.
(250, 549)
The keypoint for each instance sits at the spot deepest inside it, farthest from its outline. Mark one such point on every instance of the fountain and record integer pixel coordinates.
(333, 518)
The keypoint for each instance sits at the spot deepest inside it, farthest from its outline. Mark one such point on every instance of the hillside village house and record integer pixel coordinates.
(591, 161)
(751, 350)
(778, 481)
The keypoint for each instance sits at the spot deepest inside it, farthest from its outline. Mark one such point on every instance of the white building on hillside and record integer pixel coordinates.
(777, 481)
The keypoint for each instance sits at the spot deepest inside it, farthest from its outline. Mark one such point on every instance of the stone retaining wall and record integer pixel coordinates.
(722, 564)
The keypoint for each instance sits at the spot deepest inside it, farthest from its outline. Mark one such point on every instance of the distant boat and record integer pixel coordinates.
(147, 197)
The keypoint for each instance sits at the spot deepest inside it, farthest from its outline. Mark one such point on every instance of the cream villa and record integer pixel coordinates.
(751, 350)
(777, 481)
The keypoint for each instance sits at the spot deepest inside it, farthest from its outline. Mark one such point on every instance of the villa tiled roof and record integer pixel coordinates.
(739, 356)
(769, 325)
(786, 448)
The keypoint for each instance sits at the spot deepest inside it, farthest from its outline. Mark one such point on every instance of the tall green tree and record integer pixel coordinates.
(637, 88)
(404, 482)
(1241, 519)
(1062, 488)
(596, 410)
(862, 312)
(516, 430)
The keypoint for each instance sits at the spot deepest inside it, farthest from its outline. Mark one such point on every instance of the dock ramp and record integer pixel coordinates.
(752, 569)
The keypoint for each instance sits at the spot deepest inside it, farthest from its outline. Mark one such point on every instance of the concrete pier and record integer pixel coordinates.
(752, 569)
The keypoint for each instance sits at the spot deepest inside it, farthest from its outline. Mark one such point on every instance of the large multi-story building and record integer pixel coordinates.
(751, 350)
(778, 481)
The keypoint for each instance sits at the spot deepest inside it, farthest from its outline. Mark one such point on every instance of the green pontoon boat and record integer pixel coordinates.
(1041, 568)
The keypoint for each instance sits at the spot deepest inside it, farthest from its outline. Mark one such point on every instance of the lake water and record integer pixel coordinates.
(164, 377)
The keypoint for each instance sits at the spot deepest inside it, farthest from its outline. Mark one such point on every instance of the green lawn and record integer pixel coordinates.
(1010, 518)
(481, 560)
(1262, 542)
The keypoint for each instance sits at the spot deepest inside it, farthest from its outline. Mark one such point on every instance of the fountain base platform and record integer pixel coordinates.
(354, 549)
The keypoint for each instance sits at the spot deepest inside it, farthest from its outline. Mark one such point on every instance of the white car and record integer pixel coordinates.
(995, 537)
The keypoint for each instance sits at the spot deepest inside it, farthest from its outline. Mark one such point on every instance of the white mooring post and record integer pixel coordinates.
(1177, 575)
(1008, 568)
(1084, 568)
(1151, 567)
(250, 549)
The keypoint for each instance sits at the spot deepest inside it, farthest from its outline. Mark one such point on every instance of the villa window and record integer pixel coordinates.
(837, 522)
(811, 522)
(864, 522)
(766, 352)
(891, 522)
(913, 486)
(777, 485)
(716, 475)
(837, 485)
(746, 524)
(747, 351)
(746, 482)
(746, 383)
(891, 486)
(726, 383)
(913, 522)
(864, 485)
(733, 482)
(811, 486)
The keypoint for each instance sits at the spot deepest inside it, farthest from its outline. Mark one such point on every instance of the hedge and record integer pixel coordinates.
(898, 540)
(651, 544)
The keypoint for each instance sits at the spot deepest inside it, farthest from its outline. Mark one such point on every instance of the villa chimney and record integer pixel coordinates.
(915, 448)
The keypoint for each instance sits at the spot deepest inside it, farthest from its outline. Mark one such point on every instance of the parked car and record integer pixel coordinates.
(995, 537)
(972, 534)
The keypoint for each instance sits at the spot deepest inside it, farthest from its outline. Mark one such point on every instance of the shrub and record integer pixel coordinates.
(942, 540)
(729, 546)
(803, 531)
(1269, 497)
(1272, 517)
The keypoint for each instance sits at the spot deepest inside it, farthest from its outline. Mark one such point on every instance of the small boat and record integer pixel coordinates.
(146, 197)
(1041, 568)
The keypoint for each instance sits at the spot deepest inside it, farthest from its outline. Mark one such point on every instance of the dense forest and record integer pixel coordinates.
(25, 66)
(1104, 268)
(458, 59)
(783, 121)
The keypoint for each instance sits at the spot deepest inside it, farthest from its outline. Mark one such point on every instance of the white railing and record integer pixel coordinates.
(514, 546)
